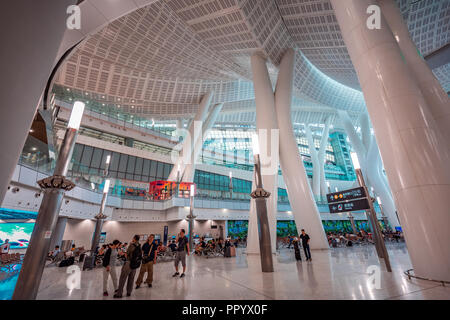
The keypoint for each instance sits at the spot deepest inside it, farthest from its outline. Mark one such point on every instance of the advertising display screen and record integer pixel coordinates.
(19, 234)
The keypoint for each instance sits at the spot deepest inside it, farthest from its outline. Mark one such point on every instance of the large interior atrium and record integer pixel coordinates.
(225, 150)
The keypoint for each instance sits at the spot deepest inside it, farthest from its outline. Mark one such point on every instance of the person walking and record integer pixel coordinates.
(149, 253)
(128, 272)
(305, 243)
(182, 249)
(109, 267)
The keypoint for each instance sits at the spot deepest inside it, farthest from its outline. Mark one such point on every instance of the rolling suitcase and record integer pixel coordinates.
(88, 262)
(232, 252)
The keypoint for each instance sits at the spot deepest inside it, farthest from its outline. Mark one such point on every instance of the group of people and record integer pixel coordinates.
(143, 257)
(214, 244)
(348, 239)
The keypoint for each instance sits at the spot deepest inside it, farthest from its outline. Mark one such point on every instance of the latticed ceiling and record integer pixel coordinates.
(158, 61)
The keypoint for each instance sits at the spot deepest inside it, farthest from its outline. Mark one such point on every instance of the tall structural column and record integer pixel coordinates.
(432, 91)
(304, 207)
(375, 175)
(189, 142)
(414, 153)
(266, 126)
(321, 156)
(208, 124)
(58, 233)
(27, 26)
(315, 162)
(370, 161)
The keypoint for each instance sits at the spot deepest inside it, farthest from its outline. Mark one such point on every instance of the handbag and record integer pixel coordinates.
(146, 258)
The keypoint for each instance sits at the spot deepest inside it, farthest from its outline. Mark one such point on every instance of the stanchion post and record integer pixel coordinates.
(191, 216)
(54, 187)
(377, 235)
(260, 195)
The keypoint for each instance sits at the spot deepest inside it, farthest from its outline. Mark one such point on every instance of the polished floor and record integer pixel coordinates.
(339, 273)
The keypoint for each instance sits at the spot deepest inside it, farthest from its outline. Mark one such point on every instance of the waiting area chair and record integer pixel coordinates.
(8, 261)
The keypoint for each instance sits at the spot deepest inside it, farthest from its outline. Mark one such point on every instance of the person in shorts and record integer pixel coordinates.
(182, 249)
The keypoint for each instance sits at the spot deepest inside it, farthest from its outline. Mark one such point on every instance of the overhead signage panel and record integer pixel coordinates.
(355, 205)
(346, 195)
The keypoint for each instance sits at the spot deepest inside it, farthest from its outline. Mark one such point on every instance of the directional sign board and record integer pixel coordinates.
(346, 195)
(355, 205)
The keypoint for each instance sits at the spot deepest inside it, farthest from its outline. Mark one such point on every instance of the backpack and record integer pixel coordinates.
(136, 257)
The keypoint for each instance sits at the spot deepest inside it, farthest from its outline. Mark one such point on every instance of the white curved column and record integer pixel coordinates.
(315, 161)
(366, 135)
(300, 196)
(189, 172)
(321, 156)
(370, 162)
(414, 153)
(267, 129)
(252, 232)
(194, 133)
(31, 35)
(375, 179)
(432, 91)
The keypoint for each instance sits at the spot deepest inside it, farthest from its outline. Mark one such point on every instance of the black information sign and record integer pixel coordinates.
(346, 195)
(355, 205)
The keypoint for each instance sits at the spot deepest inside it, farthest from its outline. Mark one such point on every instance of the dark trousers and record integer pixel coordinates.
(127, 274)
(307, 251)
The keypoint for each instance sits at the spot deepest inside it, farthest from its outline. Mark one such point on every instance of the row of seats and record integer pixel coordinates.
(9, 260)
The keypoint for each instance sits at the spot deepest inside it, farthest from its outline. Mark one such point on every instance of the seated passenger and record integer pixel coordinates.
(173, 246)
(54, 253)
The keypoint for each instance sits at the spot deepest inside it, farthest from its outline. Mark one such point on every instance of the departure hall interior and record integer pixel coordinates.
(225, 150)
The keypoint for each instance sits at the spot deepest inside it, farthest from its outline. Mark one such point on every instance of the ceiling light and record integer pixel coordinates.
(255, 144)
(355, 160)
(106, 186)
(76, 115)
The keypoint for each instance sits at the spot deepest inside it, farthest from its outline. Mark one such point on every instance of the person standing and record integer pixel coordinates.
(149, 252)
(128, 272)
(109, 266)
(305, 243)
(298, 257)
(182, 248)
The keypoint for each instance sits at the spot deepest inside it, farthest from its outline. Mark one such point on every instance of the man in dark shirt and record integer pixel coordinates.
(182, 249)
(149, 250)
(305, 243)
